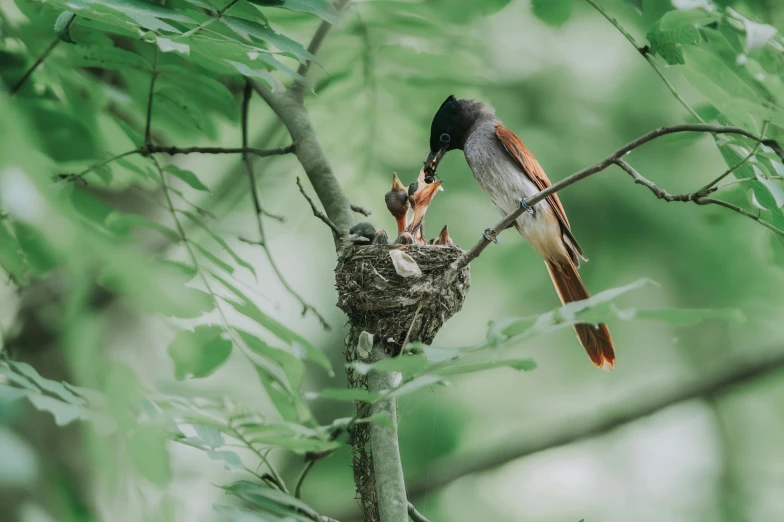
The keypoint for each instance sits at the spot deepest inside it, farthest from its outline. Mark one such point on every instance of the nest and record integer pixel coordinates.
(393, 308)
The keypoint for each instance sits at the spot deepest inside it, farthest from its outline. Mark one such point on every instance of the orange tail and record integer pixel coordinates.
(595, 339)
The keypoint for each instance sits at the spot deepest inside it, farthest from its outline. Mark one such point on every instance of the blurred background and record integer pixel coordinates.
(574, 90)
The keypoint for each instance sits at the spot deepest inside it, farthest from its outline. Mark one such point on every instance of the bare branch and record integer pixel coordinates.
(315, 44)
(360, 210)
(150, 95)
(306, 307)
(311, 156)
(613, 158)
(415, 515)
(262, 153)
(35, 66)
(317, 212)
(513, 447)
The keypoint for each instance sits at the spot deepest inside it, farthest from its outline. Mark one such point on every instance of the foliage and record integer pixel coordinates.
(90, 86)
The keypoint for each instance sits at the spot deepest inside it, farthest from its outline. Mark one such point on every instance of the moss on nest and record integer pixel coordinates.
(393, 308)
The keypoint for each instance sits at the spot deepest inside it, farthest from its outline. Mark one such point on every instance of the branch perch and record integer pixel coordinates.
(615, 158)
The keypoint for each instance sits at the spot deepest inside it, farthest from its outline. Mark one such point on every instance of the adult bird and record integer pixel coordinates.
(508, 172)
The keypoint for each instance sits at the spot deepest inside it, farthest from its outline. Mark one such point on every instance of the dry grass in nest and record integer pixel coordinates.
(391, 307)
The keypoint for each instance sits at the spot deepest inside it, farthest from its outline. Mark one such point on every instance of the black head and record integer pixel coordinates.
(450, 129)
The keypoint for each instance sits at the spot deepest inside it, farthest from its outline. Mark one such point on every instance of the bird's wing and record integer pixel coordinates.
(531, 168)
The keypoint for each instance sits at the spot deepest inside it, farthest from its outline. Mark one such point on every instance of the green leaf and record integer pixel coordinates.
(231, 461)
(402, 363)
(12, 259)
(290, 364)
(249, 309)
(200, 352)
(212, 257)
(684, 317)
(321, 8)
(147, 447)
(254, 73)
(268, 499)
(167, 46)
(552, 12)
(252, 30)
(105, 57)
(344, 394)
(62, 25)
(291, 436)
(674, 30)
(20, 462)
(123, 223)
(40, 255)
(525, 365)
(222, 242)
(413, 385)
(209, 435)
(63, 412)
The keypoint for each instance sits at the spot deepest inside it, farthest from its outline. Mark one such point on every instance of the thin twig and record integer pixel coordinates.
(510, 218)
(277, 479)
(647, 55)
(35, 65)
(153, 77)
(209, 21)
(739, 164)
(317, 212)
(262, 153)
(306, 307)
(297, 88)
(302, 476)
(695, 197)
(360, 210)
(415, 515)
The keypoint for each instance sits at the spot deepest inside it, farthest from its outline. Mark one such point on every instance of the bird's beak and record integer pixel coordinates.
(421, 200)
(396, 184)
(443, 238)
(431, 163)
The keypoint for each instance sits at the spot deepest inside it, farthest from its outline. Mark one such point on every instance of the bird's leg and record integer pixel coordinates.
(525, 206)
(486, 235)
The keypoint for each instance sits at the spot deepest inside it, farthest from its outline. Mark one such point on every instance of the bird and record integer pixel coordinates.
(420, 195)
(443, 238)
(397, 203)
(509, 173)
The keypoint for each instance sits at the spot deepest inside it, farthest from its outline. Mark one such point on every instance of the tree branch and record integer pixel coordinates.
(35, 66)
(317, 212)
(262, 153)
(387, 467)
(647, 55)
(150, 94)
(521, 445)
(415, 515)
(360, 210)
(312, 157)
(297, 88)
(613, 158)
(306, 307)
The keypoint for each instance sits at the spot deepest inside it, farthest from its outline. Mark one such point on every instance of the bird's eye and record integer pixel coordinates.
(445, 138)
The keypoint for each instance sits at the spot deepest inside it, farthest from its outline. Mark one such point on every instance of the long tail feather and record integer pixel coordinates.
(595, 339)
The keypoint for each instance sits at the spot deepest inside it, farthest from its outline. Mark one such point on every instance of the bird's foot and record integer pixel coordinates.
(486, 235)
(525, 206)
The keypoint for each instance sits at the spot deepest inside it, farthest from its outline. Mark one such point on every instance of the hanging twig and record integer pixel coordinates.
(35, 65)
(317, 212)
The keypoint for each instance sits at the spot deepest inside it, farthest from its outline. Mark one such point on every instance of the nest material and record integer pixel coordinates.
(394, 308)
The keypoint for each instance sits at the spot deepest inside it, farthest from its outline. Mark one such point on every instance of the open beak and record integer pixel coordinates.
(431, 163)
(443, 238)
(420, 200)
(396, 184)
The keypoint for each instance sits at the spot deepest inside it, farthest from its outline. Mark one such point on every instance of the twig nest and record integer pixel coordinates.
(396, 292)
